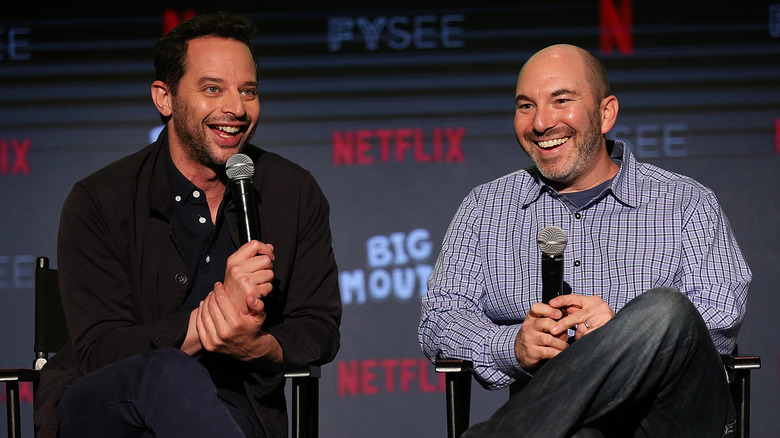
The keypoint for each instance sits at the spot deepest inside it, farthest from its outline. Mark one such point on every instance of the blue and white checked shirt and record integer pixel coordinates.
(650, 228)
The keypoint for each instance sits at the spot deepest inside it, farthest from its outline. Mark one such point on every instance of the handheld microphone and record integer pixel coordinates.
(240, 169)
(552, 241)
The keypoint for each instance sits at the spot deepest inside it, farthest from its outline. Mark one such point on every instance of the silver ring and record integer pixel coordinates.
(587, 326)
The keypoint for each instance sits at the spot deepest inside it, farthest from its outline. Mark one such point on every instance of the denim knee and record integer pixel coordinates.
(667, 307)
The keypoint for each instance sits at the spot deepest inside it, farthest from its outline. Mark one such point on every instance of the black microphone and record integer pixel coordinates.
(552, 241)
(240, 169)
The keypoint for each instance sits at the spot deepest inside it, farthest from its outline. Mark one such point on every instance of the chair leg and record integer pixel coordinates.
(739, 368)
(305, 401)
(12, 407)
(458, 403)
(305, 392)
(458, 394)
(741, 391)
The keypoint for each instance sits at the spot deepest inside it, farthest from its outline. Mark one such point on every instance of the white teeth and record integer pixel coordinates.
(552, 143)
(228, 129)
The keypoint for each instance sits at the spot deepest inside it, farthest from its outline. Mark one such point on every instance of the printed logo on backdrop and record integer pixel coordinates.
(397, 268)
(397, 32)
(653, 140)
(13, 156)
(399, 145)
(17, 272)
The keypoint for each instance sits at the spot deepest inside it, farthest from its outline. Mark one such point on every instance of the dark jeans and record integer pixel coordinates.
(652, 371)
(160, 393)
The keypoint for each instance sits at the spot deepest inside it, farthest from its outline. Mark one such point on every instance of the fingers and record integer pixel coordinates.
(256, 306)
(254, 248)
(220, 325)
(582, 310)
(534, 342)
(541, 310)
(249, 273)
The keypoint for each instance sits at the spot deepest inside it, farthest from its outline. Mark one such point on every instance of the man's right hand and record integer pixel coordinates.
(534, 343)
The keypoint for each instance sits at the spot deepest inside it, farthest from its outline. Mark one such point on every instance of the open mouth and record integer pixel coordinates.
(549, 144)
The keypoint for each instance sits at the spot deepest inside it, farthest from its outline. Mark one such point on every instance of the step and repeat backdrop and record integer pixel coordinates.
(399, 112)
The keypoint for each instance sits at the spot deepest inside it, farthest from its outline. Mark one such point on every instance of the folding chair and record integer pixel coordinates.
(458, 378)
(51, 334)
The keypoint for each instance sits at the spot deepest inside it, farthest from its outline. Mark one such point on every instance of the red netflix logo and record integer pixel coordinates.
(13, 157)
(777, 136)
(374, 376)
(25, 393)
(171, 18)
(616, 25)
(369, 146)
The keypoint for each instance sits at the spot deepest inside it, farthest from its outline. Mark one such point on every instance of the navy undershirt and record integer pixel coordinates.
(578, 200)
(205, 245)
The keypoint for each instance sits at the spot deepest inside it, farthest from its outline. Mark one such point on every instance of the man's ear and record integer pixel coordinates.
(161, 96)
(609, 112)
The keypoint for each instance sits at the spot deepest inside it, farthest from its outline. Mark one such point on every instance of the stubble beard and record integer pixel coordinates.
(195, 141)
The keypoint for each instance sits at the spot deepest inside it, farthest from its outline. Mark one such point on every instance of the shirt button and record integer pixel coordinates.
(177, 198)
(577, 263)
(208, 259)
(181, 278)
(202, 220)
(196, 194)
(577, 216)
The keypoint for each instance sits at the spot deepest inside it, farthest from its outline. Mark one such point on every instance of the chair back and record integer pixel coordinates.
(51, 332)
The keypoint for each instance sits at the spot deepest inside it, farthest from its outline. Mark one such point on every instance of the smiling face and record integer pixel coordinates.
(215, 110)
(560, 123)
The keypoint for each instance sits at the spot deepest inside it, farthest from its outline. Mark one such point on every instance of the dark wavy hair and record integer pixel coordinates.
(170, 52)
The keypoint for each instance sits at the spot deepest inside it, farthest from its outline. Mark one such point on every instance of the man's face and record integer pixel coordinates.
(216, 108)
(557, 121)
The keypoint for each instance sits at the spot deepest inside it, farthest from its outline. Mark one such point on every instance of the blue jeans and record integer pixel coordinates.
(652, 371)
(160, 393)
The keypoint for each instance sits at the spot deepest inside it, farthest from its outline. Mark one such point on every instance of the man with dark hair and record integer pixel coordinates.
(658, 283)
(177, 329)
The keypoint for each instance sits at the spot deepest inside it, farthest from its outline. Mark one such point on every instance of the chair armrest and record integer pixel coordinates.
(737, 363)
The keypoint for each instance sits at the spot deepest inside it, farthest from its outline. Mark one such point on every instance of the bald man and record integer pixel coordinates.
(657, 281)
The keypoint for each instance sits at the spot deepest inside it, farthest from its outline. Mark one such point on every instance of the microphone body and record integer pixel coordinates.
(240, 170)
(552, 241)
(552, 276)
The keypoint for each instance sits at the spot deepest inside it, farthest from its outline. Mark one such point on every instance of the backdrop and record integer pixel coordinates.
(398, 112)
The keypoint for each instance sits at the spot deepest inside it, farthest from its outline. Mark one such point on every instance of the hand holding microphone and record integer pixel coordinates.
(245, 270)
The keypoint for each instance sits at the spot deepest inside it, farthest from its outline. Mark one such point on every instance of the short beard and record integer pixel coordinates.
(588, 147)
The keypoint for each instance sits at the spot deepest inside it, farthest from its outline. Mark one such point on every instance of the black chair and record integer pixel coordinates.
(51, 335)
(458, 391)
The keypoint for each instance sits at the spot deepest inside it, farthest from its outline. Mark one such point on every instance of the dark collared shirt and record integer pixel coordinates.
(205, 245)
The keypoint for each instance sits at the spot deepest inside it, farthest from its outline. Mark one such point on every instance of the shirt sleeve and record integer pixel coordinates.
(453, 321)
(715, 274)
(309, 332)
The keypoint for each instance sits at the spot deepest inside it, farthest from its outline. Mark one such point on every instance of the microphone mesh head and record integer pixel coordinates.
(239, 166)
(552, 240)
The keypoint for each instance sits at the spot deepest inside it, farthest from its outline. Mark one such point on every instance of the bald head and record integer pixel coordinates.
(594, 71)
